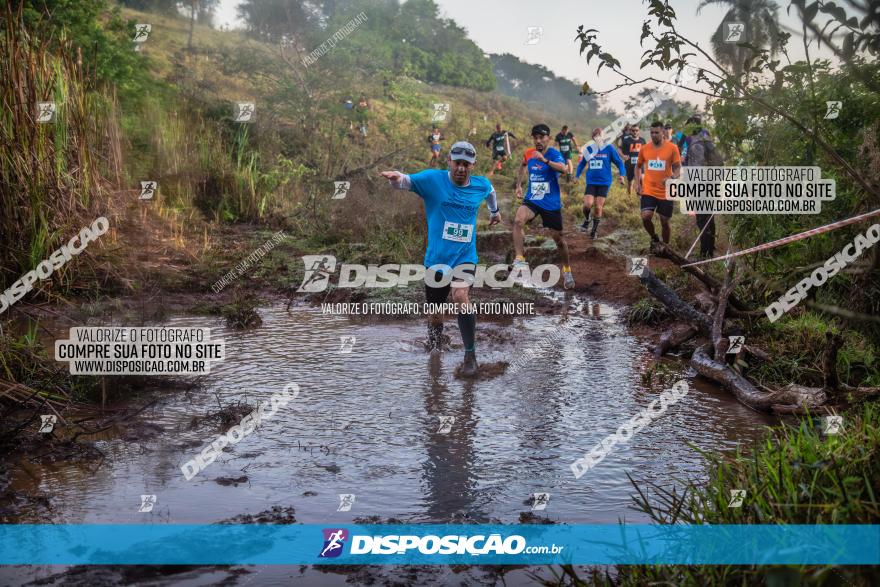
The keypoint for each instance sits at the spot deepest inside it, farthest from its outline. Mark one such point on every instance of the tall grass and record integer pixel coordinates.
(796, 475)
(49, 174)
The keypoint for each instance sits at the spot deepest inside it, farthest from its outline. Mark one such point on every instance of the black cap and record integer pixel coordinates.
(541, 129)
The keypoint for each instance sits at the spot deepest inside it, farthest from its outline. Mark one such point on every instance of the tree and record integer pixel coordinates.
(761, 20)
(274, 18)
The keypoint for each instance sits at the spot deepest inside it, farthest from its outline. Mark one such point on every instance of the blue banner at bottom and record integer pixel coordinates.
(439, 544)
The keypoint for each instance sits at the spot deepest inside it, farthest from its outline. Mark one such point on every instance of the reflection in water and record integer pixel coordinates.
(449, 470)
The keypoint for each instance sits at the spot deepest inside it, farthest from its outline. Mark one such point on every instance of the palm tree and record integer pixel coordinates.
(762, 29)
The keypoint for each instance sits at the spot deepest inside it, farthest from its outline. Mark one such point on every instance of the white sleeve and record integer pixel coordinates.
(492, 202)
(405, 183)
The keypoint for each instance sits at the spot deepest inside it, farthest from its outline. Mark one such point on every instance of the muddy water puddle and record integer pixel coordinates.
(380, 419)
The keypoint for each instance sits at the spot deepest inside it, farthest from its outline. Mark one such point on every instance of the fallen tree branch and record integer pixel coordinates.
(741, 387)
(718, 341)
(789, 410)
(749, 395)
(734, 313)
(665, 251)
(674, 337)
(829, 361)
(353, 172)
(756, 352)
(680, 309)
(842, 312)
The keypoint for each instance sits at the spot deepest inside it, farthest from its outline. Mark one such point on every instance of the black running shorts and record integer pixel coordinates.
(435, 294)
(551, 219)
(663, 207)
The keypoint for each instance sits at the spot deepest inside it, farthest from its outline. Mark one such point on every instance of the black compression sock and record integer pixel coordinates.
(596, 224)
(586, 215)
(467, 323)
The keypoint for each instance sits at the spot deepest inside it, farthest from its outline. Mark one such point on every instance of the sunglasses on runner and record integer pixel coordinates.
(463, 151)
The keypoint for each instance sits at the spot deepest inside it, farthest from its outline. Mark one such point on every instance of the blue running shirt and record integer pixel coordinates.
(543, 189)
(451, 212)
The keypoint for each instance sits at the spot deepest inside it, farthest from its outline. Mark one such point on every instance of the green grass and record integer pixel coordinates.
(798, 341)
(49, 172)
(646, 311)
(795, 475)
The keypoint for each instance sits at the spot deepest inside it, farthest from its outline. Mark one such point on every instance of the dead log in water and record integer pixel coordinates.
(785, 400)
(666, 252)
(679, 308)
(673, 338)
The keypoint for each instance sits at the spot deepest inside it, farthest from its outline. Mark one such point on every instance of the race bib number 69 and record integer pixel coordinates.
(460, 233)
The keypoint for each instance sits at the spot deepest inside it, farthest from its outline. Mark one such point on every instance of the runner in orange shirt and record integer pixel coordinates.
(658, 161)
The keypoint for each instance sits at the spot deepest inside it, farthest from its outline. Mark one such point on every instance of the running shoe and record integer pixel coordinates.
(586, 225)
(568, 280)
(469, 366)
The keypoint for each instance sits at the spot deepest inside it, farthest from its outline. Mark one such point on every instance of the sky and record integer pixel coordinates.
(502, 26)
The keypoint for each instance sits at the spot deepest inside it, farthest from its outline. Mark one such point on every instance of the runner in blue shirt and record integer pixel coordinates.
(452, 200)
(544, 164)
(598, 158)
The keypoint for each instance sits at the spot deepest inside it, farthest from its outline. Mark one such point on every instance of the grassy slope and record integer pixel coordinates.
(210, 73)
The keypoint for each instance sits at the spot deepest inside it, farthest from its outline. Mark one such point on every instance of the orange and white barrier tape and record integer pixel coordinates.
(792, 238)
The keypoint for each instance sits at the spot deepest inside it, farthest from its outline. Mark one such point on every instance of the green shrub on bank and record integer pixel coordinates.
(795, 475)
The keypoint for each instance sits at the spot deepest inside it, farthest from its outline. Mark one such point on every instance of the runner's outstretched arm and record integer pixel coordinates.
(492, 202)
(494, 212)
(398, 180)
(580, 168)
(617, 160)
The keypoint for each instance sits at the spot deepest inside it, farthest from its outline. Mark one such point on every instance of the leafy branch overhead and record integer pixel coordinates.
(860, 32)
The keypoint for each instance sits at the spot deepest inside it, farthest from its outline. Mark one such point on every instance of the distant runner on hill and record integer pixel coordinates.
(630, 145)
(499, 142)
(434, 140)
(568, 146)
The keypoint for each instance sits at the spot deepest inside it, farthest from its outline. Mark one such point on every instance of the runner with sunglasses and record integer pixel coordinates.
(452, 201)
(544, 164)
